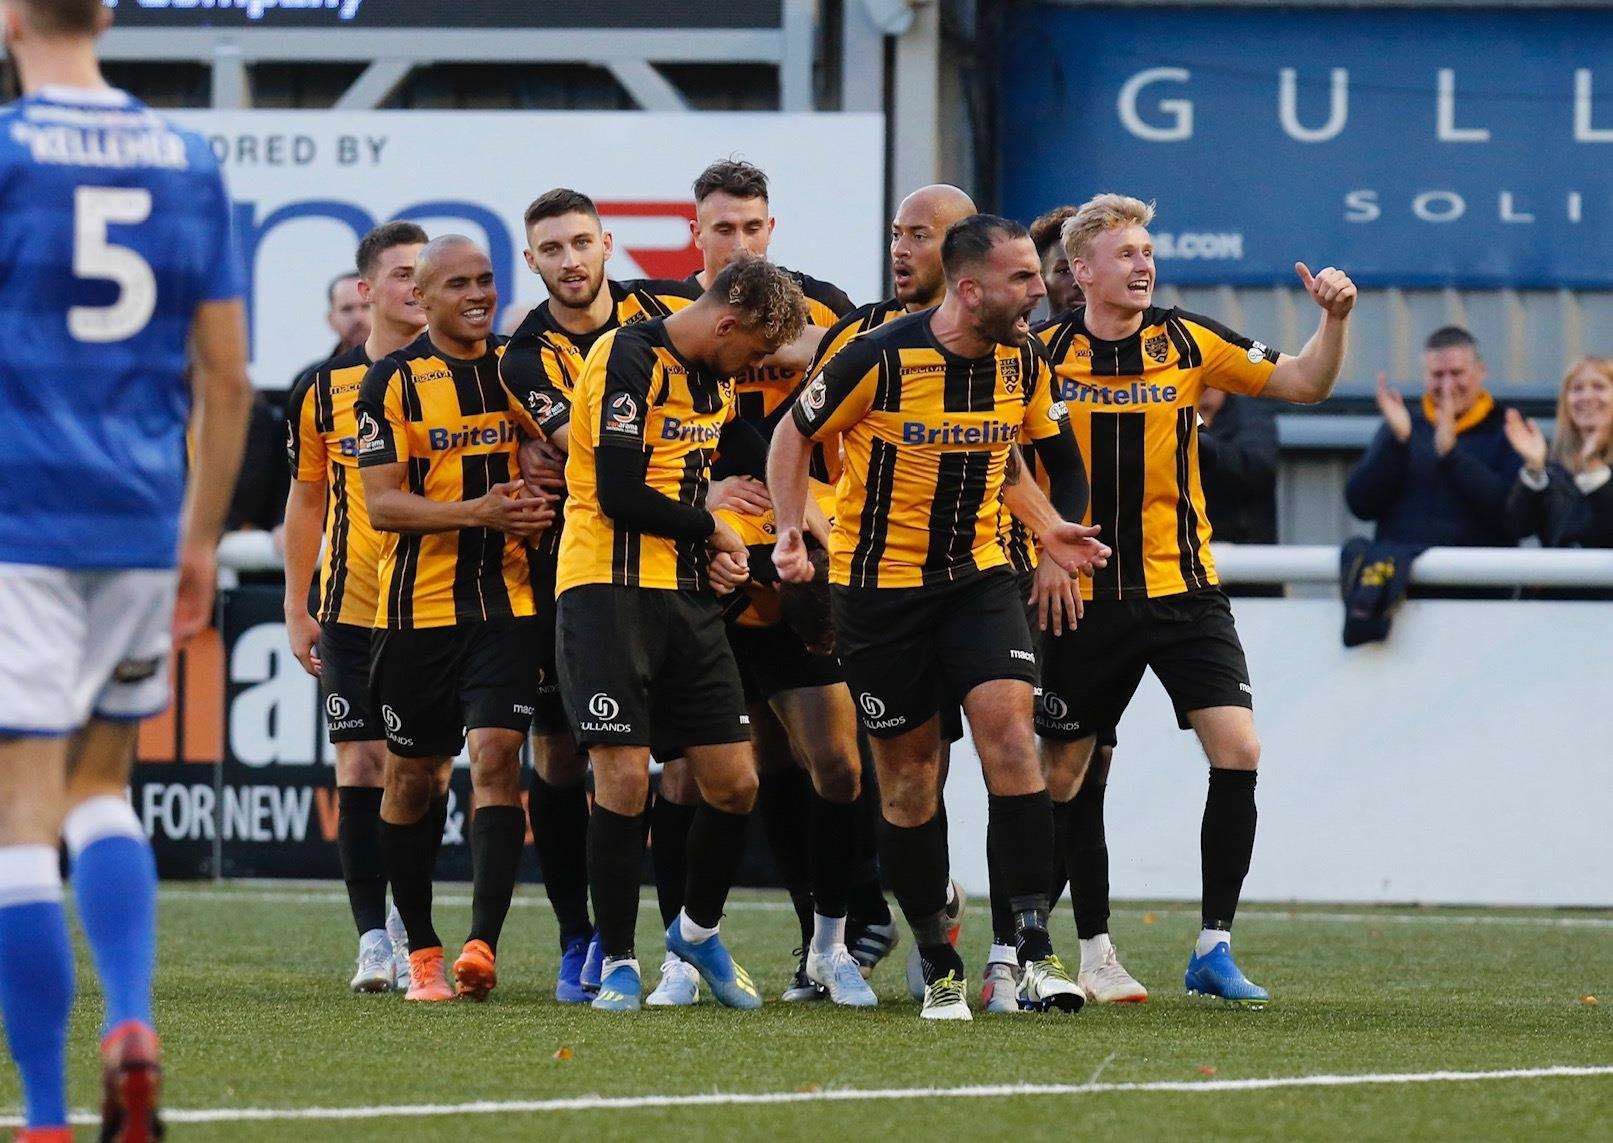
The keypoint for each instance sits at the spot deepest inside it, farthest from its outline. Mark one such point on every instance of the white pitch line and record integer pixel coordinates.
(321, 897)
(837, 1095)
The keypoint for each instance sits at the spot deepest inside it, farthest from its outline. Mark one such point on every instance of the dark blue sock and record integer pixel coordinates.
(36, 980)
(115, 885)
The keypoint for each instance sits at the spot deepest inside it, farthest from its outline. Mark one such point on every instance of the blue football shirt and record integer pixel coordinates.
(114, 228)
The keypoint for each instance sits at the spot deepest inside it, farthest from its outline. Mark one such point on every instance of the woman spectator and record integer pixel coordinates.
(1564, 494)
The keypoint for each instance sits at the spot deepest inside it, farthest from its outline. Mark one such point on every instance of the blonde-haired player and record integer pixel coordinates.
(1130, 374)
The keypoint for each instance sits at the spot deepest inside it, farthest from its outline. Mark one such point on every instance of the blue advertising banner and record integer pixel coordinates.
(1412, 147)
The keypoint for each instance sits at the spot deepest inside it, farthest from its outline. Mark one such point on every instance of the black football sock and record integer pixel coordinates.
(409, 854)
(669, 852)
(833, 846)
(358, 844)
(866, 903)
(497, 835)
(1026, 864)
(1085, 852)
(615, 860)
(560, 835)
(916, 859)
(1226, 843)
(1003, 929)
(716, 846)
(437, 815)
(782, 804)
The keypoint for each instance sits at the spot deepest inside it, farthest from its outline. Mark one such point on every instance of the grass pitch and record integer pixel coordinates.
(255, 1014)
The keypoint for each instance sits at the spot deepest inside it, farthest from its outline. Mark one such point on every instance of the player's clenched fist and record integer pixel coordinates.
(790, 557)
(1331, 289)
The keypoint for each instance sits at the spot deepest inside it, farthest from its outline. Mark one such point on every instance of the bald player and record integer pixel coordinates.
(456, 643)
(921, 222)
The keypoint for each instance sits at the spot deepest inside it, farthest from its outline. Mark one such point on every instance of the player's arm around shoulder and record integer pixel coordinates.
(1309, 376)
(835, 397)
(533, 373)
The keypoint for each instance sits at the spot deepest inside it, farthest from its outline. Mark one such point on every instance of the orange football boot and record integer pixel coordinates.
(131, 1084)
(474, 971)
(427, 980)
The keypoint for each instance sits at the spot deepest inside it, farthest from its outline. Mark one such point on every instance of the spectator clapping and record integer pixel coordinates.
(1564, 493)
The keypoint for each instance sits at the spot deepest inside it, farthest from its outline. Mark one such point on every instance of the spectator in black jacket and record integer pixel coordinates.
(1438, 476)
(1238, 458)
(259, 501)
(1564, 494)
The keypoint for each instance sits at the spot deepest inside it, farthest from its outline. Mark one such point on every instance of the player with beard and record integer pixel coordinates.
(927, 410)
(919, 283)
(803, 726)
(917, 231)
(568, 247)
(326, 499)
(456, 653)
(1131, 375)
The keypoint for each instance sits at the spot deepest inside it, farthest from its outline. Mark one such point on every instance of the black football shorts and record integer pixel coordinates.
(1189, 641)
(432, 684)
(773, 659)
(906, 650)
(643, 665)
(344, 679)
(549, 714)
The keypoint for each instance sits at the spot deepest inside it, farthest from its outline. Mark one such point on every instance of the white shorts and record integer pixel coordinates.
(81, 644)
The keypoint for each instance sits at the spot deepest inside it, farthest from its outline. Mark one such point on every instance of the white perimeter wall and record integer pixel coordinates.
(1467, 760)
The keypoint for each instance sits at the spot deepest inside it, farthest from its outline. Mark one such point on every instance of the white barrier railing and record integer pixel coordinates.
(1246, 563)
(1437, 567)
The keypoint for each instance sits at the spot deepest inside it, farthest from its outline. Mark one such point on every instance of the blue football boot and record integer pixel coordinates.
(621, 989)
(592, 964)
(568, 988)
(730, 984)
(1215, 974)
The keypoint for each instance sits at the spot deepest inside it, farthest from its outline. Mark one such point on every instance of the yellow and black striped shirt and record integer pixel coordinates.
(764, 391)
(322, 438)
(1015, 537)
(457, 429)
(637, 392)
(857, 321)
(543, 359)
(926, 436)
(1133, 405)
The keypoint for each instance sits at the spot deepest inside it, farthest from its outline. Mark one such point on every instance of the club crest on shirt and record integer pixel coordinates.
(1009, 369)
(1157, 347)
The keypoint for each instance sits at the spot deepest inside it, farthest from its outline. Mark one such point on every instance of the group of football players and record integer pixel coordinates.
(788, 550)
